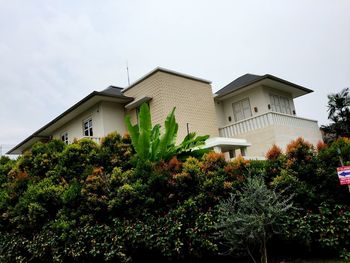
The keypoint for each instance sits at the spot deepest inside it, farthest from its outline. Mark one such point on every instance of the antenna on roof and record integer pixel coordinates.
(127, 72)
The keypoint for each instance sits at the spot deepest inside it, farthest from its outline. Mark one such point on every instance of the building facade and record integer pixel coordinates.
(247, 116)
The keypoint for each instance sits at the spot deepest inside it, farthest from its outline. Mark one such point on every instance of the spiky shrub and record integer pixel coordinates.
(299, 150)
(248, 219)
(273, 153)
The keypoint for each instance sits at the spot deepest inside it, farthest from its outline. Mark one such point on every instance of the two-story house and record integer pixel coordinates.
(248, 115)
(261, 110)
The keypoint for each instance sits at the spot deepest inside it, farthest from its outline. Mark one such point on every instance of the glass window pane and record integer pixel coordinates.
(241, 110)
(280, 104)
(237, 107)
(239, 116)
(245, 104)
(246, 108)
(247, 113)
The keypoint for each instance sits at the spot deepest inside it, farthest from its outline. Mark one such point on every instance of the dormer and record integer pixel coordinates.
(252, 95)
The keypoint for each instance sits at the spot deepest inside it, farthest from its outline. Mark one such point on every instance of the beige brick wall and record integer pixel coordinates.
(194, 105)
(150, 87)
(193, 101)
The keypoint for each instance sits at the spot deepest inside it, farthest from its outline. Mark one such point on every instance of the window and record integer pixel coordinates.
(87, 128)
(280, 104)
(241, 110)
(64, 137)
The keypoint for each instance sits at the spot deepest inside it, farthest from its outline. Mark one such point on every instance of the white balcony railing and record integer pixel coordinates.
(264, 120)
(95, 139)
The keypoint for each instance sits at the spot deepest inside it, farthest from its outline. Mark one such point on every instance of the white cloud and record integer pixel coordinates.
(55, 52)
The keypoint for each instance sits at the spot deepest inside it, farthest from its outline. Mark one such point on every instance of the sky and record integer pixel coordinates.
(54, 53)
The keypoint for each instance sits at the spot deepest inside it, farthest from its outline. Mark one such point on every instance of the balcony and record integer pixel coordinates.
(267, 119)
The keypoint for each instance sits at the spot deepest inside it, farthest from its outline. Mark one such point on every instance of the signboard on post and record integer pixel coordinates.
(344, 175)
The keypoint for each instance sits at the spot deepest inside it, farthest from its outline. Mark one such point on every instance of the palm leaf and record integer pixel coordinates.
(145, 127)
(133, 131)
(155, 134)
(168, 139)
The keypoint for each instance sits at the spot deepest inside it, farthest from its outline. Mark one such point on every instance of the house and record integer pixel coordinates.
(261, 110)
(247, 116)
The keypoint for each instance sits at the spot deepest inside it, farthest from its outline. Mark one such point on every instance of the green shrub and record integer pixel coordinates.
(77, 160)
(6, 165)
(38, 204)
(116, 151)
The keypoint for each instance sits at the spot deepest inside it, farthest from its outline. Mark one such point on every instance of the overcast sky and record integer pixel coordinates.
(53, 53)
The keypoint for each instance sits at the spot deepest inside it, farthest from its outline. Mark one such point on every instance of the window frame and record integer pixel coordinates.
(242, 110)
(64, 137)
(88, 131)
(284, 106)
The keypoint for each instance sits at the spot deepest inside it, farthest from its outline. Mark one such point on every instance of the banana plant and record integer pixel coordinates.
(151, 145)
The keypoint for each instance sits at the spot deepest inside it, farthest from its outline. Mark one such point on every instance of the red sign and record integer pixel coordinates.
(344, 174)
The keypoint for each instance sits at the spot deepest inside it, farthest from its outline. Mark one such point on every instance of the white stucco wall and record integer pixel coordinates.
(220, 115)
(74, 127)
(259, 97)
(112, 117)
(262, 139)
(256, 99)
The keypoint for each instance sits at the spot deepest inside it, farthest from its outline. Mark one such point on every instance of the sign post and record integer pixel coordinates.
(344, 175)
(343, 172)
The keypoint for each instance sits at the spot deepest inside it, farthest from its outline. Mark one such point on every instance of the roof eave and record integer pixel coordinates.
(306, 90)
(160, 69)
(17, 150)
(267, 76)
(75, 106)
(218, 96)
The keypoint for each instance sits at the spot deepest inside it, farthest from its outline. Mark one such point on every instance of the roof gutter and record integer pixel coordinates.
(27, 140)
(160, 69)
(267, 76)
(79, 103)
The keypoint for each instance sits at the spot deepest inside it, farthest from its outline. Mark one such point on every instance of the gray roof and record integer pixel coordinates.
(110, 92)
(249, 79)
(237, 83)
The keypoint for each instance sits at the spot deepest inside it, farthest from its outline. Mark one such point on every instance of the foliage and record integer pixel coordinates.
(339, 115)
(326, 229)
(6, 165)
(273, 153)
(151, 146)
(88, 203)
(249, 218)
(116, 150)
(93, 203)
(77, 160)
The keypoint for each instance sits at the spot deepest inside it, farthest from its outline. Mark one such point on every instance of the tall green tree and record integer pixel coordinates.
(151, 145)
(339, 115)
(248, 219)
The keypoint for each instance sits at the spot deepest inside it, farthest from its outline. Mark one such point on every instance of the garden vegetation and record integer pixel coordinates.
(85, 202)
